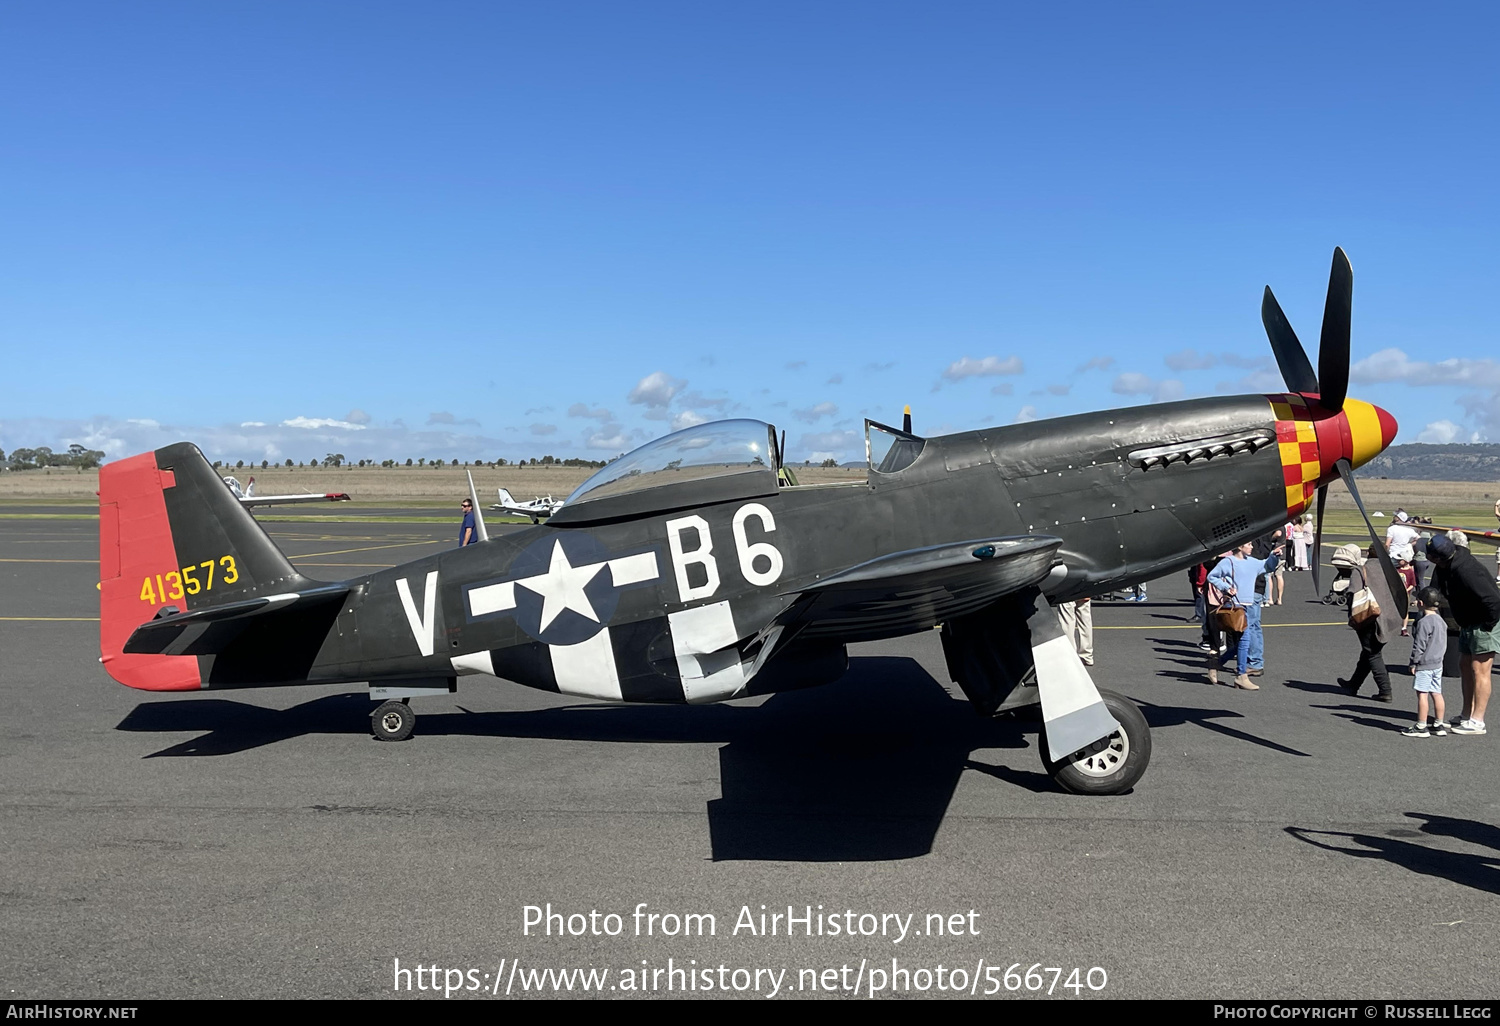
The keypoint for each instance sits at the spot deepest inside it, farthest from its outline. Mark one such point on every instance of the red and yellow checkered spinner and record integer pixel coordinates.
(1311, 439)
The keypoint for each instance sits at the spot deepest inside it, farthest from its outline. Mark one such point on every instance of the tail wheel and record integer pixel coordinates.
(392, 721)
(1110, 765)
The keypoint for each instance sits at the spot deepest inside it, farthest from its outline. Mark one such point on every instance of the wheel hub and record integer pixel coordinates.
(1103, 757)
(390, 722)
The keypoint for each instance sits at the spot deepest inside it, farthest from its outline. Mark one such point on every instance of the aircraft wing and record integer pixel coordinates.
(285, 500)
(915, 589)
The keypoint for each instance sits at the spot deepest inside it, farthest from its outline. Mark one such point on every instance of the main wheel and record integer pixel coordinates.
(1110, 765)
(392, 721)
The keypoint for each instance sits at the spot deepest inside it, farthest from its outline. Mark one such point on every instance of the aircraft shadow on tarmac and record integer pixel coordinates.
(1481, 872)
(856, 771)
(860, 770)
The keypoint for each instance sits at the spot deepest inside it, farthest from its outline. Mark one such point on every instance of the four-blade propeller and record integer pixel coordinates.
(1329, 388)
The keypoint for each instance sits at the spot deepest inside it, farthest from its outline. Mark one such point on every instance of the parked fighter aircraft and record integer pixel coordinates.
(537, 509)
(689, 570)
(248, 498)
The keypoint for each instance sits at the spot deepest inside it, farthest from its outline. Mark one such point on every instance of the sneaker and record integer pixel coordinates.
(1438, 729)
(1416, 730)
(1205, 646)
(1471, 727)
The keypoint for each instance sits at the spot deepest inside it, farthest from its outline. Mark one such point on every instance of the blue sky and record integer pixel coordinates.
(508, 229)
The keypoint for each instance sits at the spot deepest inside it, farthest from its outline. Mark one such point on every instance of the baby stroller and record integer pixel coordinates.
(1340, 583)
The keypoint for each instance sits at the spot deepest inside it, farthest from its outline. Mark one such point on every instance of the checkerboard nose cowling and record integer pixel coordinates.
(1312, 439)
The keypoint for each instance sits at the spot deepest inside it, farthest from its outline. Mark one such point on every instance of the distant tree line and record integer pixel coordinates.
(42, 456)
(338, 459)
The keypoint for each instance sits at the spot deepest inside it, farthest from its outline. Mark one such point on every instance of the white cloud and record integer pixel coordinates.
(687, 419)
(444, 417)
(1394, 365)
(655, 389)
(611, 438)
(1098, 363)
(968, 367)
(1131, 383)
(835, 445)
(1190, 359)
(1004, 388)
(814, 413)
(1441, 432)
(837, 379)
(1264, 363)
(542, 430)
(796, 365)
(1025, 415)
(598, 413)
(357, 416)
(252, 440)
(1257, 381)
(699, 401)
(1059, 389)
(314, 423)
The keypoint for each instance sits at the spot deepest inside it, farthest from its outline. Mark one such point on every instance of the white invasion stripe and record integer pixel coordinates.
(475, 662)
(587, 668)
(492, 598)
(710, 669)
(634, 569)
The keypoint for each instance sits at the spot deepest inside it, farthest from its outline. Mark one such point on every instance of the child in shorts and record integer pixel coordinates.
(1428, 644)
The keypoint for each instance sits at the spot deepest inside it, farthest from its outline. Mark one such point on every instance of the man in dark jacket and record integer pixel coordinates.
(1474, 599)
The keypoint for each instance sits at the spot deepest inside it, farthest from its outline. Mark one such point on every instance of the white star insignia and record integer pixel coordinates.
(561, 587)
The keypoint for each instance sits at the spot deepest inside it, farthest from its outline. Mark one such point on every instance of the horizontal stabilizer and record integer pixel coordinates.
(212, 629)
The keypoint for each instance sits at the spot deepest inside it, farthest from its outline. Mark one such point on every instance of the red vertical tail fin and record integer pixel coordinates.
(173, 539)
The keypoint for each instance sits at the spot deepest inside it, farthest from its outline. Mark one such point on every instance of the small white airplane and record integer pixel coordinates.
(248, 498)
(537, 509)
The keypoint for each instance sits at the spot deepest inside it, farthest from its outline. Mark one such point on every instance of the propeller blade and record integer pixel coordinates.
(1392, 578)
(1296, 369)
(906, 419)
(1317, 545)
(1333, 344)
(781, 451)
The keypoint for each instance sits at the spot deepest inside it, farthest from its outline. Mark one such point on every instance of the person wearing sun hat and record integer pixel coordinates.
(1373, 632)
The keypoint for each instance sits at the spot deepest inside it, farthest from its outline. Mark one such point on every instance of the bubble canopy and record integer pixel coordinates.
(714, 462)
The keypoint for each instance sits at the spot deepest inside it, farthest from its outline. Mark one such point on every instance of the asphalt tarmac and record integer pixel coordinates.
(1284, 843)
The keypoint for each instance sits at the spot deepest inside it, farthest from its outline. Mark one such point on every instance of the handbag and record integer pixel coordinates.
(1232, 618)
(1363, 607)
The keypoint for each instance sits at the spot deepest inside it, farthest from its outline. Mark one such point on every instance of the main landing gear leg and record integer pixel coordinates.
(1092, 741)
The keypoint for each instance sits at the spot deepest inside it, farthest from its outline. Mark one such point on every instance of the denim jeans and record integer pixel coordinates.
(1255, 641)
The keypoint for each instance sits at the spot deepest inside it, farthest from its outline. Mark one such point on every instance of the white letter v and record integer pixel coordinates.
(423, 630)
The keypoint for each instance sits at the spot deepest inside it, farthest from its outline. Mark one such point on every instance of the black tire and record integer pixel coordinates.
(392, 721)
(1110, 766)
